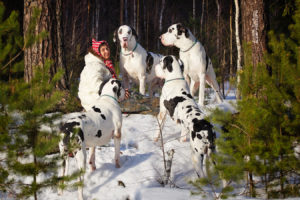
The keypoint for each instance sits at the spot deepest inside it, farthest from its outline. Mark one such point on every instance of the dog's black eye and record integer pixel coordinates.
(120, 31)
(170, 30)
(129, 31)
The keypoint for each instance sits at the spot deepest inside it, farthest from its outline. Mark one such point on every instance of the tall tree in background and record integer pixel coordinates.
(51, 46)
(254, 30)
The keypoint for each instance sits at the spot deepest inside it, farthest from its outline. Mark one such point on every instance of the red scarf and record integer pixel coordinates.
(108, 63)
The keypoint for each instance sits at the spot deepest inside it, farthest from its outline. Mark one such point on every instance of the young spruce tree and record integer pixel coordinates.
(26, 165)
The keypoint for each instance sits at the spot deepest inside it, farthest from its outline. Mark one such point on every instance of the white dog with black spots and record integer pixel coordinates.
(135, 62)
(198, 68)
(177, 101)
(93, 128)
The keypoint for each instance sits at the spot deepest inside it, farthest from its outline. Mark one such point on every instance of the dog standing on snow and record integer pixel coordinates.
(177, 101)
(93, 128)
(198, 68)
(135, 62)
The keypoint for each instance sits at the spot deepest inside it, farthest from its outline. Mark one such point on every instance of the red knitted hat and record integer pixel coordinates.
(96, 45)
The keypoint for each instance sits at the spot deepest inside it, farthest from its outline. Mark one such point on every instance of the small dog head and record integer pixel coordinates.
(125, 34)
(174, 33)
(112, 87)
(169, 64)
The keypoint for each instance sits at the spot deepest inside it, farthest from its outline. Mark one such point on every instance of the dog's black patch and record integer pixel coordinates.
(199, 136)
(103, 117)
(206, 62)
(189, 106)
(82, 116)
(81, 135)
(181, 29)
(187, 94)
(168, 60)
(196, 149)
(101, 86)
(149, 62)
(68, 127)
(198, 114)
(202, 124)
(134, 32)
(172, 103)
(193, 135)
(99, 133)
(96, 109)
(189, 110)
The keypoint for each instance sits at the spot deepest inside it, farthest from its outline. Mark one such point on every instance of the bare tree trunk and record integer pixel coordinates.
(137, 16)
(51, 46)
(238, 46)
(160, 20)
(218, 30)
(202, 15)
(231, 71)
(126, 13)
(194, 17)
(134, 14)
(121, 11)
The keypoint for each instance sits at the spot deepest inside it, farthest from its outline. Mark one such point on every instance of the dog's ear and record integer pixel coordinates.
(117, 89)
(101, 86)
(168, 60)
(181, 64)
(181, 29)
(116, 37)
(134, 32)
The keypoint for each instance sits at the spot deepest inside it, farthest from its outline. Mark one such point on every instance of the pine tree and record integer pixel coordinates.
(26, 165)
(259, 139)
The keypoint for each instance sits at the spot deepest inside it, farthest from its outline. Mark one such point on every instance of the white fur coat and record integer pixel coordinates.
(91, 77)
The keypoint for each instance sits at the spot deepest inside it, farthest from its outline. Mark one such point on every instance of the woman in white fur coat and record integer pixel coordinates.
(98, 68)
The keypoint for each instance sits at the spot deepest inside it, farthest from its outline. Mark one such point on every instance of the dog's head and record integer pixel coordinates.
(169, 65)
(125, 34)
(112, 87)
(174, 34)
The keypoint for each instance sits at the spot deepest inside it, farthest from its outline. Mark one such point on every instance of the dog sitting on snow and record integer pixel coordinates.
(135, 62)
(177, 101)
(93, 128)
(198, 68)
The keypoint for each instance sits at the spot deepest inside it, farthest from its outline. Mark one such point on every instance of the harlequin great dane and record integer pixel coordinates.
(177, 101)
(135, 62)
(93, 128)
(198, 68)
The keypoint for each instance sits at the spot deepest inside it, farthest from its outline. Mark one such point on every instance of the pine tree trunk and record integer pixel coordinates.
(51, 46)
(238, 45)
(254, 28)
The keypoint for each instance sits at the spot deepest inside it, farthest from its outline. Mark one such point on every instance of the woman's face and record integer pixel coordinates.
(105, 51)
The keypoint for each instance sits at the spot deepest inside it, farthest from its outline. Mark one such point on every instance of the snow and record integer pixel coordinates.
(141, 165)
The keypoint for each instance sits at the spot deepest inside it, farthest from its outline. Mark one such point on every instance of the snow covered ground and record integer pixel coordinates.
(141, 165)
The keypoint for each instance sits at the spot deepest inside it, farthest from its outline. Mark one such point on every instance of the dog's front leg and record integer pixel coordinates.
(92, 159)
(81, 160)
(117, 141)
(142, 79)
(201, 89)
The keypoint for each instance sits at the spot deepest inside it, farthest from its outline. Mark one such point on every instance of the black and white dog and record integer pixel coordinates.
(135, 62)
(93, 128)
(198, 68)
(177, 101)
